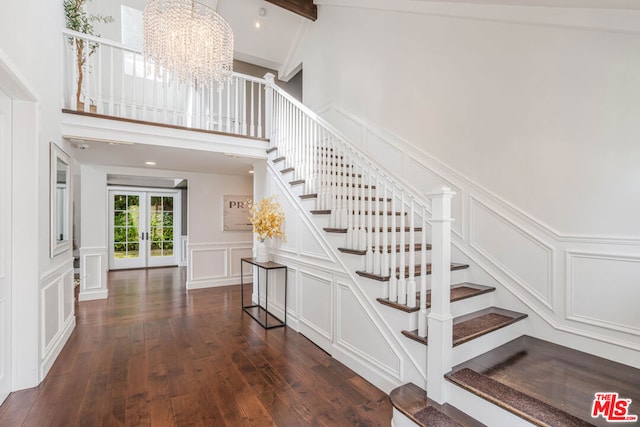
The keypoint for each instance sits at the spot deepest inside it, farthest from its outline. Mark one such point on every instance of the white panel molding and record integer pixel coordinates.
(328, 281)
(224, 253)
(571, 289)
(547, 299)
(93, 273)
(184, 257)
(56, 283)
(393, 371)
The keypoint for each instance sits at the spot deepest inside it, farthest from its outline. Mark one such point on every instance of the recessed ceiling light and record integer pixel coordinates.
(250, 171)
(257, 24)
(150, 163)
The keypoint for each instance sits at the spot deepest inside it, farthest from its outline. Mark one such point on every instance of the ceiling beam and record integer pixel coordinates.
(304, 8)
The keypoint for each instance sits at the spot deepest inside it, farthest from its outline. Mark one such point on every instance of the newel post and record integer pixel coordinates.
(440, 320)
(268, 108)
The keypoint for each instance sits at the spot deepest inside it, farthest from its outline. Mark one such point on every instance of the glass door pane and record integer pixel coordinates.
(127, 230)
(161, 229)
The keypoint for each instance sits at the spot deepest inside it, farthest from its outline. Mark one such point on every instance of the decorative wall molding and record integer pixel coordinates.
(216, 264)
(346, 317)
(589, 282)
(56, 313)
(182, 262)
(314, 288)
(475, 207)
(93, 273)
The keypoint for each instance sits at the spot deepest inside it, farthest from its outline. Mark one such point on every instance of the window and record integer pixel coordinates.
(132, 37)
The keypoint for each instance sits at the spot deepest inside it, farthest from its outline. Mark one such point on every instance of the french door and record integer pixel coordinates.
(144, 228)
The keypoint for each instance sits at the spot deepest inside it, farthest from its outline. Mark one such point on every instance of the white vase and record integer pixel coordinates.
(262, 252)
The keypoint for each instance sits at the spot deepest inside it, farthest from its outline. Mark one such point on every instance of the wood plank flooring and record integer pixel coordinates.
(153, 354)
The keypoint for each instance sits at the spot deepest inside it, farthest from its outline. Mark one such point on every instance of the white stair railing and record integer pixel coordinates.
(118, 81)
(349, 183)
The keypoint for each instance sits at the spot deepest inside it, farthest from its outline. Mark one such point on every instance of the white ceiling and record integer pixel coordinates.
(598, 4)
(267, 46)
(166, 158)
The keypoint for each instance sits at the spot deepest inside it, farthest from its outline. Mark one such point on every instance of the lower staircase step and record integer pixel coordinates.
(551, 380)
(416, 273)
(458, 292)
(413, 402)
(474, 325)
(521, 404)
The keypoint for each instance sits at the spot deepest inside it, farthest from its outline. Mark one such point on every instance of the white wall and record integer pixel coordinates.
(42, 318)
(542, 113)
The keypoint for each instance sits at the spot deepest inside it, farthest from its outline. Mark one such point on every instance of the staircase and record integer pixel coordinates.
(402, 242)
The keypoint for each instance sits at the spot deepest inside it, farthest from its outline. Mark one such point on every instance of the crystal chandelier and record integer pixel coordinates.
(188, 39)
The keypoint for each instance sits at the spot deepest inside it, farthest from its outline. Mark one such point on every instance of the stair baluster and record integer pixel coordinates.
(377, 267)
(402, 283)
(350, 205)
(386, 251)
(422, 315)
(362, 244)
(393, 280)
(411, 283)
(369, 253)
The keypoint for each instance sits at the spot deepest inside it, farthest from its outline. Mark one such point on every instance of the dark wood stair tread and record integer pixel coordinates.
(286, 170)
(413, 402)
(557, 375)
(458, 292)
(417, 272)
(521, 404)
(474, 325)
(297, 182)
(271, 150)
(278, 159)
(388, 229)
(416, 247)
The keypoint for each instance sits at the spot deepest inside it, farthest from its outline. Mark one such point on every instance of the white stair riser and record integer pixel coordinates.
(487, 342)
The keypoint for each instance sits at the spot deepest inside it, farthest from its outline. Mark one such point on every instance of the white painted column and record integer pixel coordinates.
(440, 320)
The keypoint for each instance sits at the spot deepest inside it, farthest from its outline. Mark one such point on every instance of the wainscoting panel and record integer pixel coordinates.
(309, 245)
(527, 260)
(56, 313)
(208, 264)
(50, 314)
(216, 264)
(235, 254)
(93, 274)
(356, 331)
(316, 309)
(603, 290)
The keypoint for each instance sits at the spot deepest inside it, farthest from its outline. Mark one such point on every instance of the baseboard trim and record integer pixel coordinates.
(93, 295)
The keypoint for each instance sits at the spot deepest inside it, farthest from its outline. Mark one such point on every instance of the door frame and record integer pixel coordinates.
(145, 193)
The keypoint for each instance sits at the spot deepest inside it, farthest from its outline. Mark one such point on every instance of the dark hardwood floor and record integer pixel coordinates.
(153, 354)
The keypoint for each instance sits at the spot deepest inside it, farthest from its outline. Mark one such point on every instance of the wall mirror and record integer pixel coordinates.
(60, 200)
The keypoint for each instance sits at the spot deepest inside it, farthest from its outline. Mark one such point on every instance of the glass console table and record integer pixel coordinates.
(259, 313)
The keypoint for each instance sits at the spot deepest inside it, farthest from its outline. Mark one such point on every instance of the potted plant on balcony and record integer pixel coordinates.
(79, 20)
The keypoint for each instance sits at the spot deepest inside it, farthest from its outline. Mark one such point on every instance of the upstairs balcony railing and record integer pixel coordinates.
(109, 78)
